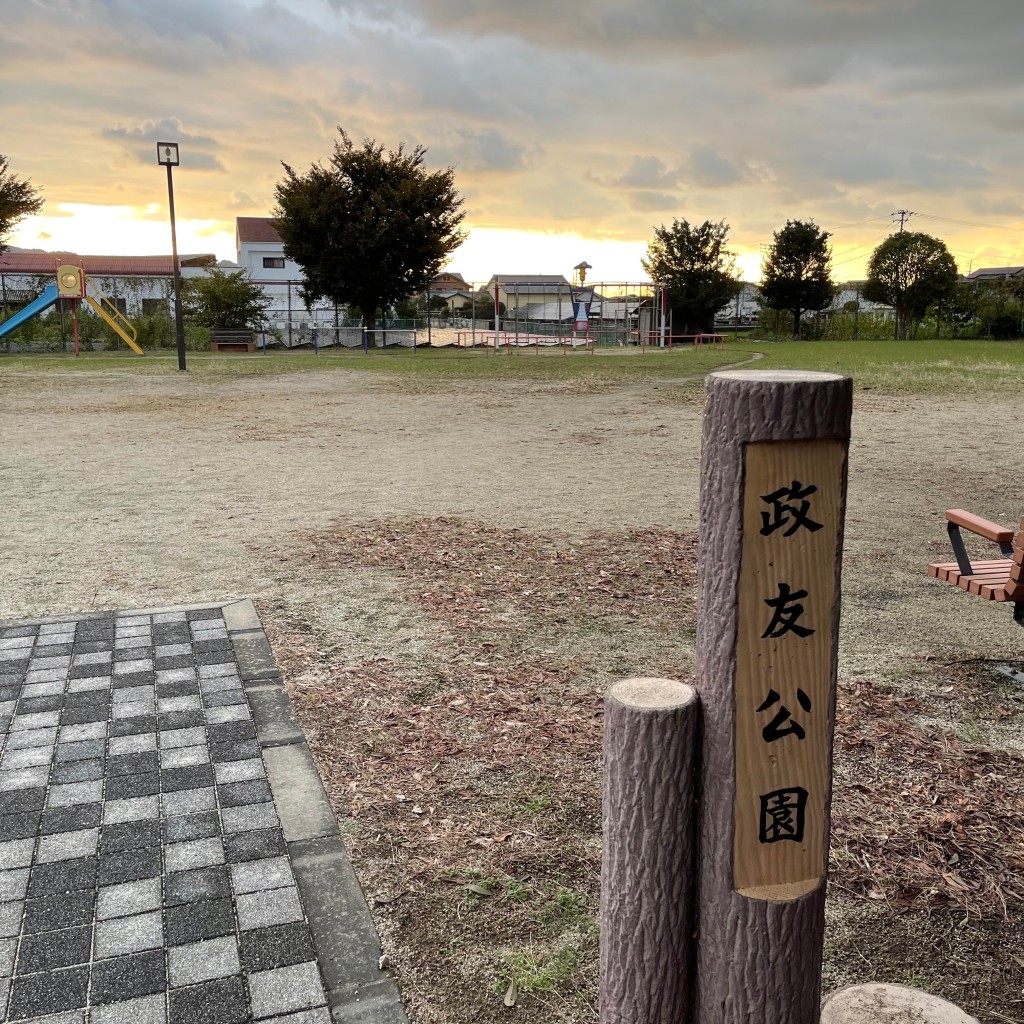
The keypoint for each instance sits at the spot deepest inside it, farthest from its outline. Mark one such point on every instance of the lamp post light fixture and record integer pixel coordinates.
(167, 155)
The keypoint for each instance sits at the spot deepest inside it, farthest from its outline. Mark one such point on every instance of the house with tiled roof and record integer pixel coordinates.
(515, 290)
(136, 285)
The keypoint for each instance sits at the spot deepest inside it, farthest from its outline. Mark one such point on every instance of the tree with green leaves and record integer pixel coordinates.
(958, 308)
(222, 301)
(797, 272)
(910, 271)
(696, 269)
(19, 198)
(370, 229)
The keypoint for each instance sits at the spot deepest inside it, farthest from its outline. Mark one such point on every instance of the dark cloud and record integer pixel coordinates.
(195, 150)
(710, 170)
(648, 172)
(654, 202)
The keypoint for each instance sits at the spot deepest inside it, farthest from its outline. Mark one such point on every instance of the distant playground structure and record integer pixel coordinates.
(72, 285)
(533, 311)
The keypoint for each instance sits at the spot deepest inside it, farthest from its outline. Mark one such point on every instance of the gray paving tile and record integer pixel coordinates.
(86, 684)
(13, 884)
(25, 757)
(134, 809)
(228, 713)
(146, 1010)
(7, 951)
(188, 801)
(82, 732)
(172, 650)
(239, 771)
(249, 818)
(134, 619)
(59, 910)
(10, 918)
(197, 853)
(175, 675)
(217, 671)
(189, 702)
(319, 1015)
(39, 994)
(80, 750)
(286, 989)
(121, 935)
(127, 977)
(182, 757)
(46, 720)
(134, 694)
(92, 658)
(133, 629)
(171, 738)
(139, 743)
(74, 793)
(129, 898)
(32, 738)
(264, 909)
(264, 949)
(16, 854)
(203, 961)
(24, 778)
(42, 689)
(257, 875)
(67, 845)
(222, 1000)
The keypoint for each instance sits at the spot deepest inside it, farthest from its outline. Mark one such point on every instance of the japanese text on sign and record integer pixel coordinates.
(785, 653)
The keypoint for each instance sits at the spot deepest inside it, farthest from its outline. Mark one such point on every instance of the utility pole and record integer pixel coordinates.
(904, 216)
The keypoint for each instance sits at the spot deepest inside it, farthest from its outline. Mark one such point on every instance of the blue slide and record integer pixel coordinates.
(45, 301)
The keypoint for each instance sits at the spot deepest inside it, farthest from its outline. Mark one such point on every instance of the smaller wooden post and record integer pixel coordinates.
(647, 870)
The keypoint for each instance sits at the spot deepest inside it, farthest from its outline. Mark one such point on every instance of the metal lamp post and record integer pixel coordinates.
(167, 155)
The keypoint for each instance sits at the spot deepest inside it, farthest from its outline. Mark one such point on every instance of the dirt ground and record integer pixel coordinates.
(121, 490)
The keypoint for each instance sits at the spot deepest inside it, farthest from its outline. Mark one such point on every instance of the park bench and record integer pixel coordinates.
(995, 579)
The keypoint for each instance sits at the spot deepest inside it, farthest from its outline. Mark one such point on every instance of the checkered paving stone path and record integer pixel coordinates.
(144, 876)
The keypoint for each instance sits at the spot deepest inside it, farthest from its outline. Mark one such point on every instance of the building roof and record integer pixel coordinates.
(256, 229)
(527, 283)
(39, 262)
(995, 273)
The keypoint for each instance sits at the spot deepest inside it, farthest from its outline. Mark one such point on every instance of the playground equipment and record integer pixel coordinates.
(72, 284)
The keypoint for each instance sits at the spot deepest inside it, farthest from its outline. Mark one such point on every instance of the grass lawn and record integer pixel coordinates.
(914, 367)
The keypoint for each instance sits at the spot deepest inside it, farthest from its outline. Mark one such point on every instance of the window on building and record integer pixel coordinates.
(120, 304)
(273, 262)
(155, 307)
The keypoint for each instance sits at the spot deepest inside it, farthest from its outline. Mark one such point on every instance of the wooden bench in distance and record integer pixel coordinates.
(995, 579)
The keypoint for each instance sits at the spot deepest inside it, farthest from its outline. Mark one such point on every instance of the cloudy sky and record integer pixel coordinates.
(575, 126)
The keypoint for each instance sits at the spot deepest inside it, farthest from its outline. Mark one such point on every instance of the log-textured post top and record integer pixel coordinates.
(651, 694)
(776, 376)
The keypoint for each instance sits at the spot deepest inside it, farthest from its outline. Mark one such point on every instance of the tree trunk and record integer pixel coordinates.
(796, 323)
(370, 325)
(761, 907)
(651, 744)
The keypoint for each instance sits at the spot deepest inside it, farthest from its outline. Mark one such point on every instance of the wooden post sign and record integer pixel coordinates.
(773, 490)
(784, 655)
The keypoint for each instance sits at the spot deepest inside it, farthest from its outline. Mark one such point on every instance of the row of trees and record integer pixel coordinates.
(910, 271)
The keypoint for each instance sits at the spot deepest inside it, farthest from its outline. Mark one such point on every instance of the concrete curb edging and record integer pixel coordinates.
(346, 940)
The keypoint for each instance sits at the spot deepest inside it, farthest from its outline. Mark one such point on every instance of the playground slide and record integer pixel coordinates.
(120, 324)
(34, 308)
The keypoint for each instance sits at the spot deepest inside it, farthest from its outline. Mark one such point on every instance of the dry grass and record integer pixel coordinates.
(471, 777)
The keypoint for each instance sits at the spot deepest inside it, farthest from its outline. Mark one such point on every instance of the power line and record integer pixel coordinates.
(904, 216)
(969, 223)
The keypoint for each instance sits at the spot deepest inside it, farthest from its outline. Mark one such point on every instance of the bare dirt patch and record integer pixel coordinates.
(122, 490)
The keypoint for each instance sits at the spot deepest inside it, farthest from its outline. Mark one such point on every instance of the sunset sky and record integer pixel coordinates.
(575, 126)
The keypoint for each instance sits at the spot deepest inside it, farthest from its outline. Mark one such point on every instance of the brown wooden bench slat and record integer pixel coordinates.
(982, 527)
(992, 579)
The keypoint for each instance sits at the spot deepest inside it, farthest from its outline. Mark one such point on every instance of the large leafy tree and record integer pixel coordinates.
(910, 271)
(18, 198)
(797, 272)
(698, 271)
(224, 301)
(371, 228)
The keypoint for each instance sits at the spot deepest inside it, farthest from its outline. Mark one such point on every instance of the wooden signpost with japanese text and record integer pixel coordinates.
(773, 494)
